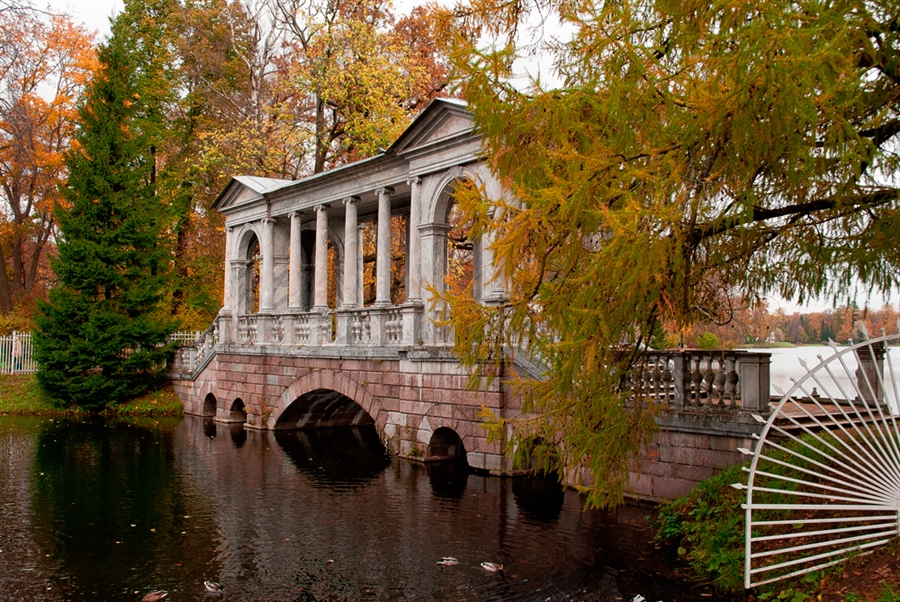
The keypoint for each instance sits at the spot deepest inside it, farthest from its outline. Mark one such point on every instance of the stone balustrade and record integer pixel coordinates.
(684, 379)
(384, 330)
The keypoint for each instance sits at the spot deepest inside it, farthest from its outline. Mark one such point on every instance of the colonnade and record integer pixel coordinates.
(299, 304)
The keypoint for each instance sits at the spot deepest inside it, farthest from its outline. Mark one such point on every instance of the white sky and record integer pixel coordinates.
(94, 14)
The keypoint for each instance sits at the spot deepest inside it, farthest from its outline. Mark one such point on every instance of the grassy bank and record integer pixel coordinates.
(21, 395)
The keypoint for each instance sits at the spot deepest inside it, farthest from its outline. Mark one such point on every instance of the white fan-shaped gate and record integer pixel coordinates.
(824, 483)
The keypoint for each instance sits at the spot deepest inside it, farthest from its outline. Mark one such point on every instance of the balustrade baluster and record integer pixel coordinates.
(709, 379)
(731, 379)
(656, 378)
(668, 392)
(720, 380)
(696, 381)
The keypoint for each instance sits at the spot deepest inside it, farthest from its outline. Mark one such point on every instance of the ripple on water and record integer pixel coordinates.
(306, 515)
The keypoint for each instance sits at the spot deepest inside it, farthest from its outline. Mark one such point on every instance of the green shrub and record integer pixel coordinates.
(707, 525)
(707, 340)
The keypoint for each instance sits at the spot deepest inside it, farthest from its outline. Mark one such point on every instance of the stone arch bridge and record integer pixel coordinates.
(327, 318)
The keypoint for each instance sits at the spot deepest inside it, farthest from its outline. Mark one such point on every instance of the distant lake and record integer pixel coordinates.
(786, 365)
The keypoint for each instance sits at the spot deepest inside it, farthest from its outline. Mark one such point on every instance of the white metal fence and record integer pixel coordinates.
(16, 355)
(184, 337)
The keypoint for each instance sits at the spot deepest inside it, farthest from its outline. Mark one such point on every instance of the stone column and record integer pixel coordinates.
(267, 269)
(239, 285)
(360, 266)
(433, 270)
(295, 265)
(351, 252)
(414, 277)
(227, 301)
(320, 293)
(383, 256)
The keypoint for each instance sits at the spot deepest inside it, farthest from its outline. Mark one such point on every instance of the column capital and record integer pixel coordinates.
(414, 180)
(268, 220)
(322, 207)
(384, 190)
(229, 229)
(297, 214)
(350, 200)
(434, 229)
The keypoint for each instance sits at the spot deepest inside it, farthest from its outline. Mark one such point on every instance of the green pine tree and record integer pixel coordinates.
(101, 337)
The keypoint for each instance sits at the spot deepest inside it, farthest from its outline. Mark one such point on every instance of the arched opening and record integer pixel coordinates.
(252, 279)
(445, 444)
(237, 413)
(209, 405)
(323, 408)
(246, 271)
(460, 253)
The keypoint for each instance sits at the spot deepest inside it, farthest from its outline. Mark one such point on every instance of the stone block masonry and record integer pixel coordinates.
(408, 401)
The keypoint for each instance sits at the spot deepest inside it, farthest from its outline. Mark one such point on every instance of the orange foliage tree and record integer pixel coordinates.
(44, 64)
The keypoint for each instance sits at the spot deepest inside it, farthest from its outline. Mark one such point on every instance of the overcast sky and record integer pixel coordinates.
(94, 14)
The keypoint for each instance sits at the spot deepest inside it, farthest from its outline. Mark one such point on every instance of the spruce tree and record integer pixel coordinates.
(101, 337)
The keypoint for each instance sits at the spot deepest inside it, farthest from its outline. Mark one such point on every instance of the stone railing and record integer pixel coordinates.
(393, 326)
(248, 329)
(193, 354)
(693, 379)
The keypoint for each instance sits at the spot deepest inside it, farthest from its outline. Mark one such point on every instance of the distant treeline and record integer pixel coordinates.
(755, 326)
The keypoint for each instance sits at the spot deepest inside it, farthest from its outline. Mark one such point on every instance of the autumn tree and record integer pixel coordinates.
(693, 151)
(101, 338)
(44, 62)
(284, 88)
(361, 78)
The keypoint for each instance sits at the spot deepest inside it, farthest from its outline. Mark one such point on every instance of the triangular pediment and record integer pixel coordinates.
(245, 189)
(443, 119)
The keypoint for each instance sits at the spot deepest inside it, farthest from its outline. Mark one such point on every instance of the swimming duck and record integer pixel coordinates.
(492, 567)
(155, 596)
(448, 561)
(212, 587)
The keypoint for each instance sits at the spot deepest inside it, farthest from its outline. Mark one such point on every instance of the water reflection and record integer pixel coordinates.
(448, 478)
(109, 511)
(238, 434)
(335, 457)
(539, 497)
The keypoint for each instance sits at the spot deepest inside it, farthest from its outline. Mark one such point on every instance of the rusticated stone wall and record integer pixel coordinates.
(410, 399)
(407, 399)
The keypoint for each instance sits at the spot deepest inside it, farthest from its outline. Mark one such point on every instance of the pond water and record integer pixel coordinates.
(112, 510)
(840, 378)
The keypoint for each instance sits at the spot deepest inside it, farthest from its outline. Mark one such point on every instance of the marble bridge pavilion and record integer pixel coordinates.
(304, 339)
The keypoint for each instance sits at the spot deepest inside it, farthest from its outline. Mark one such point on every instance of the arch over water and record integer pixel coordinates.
(209, 405)
(327, 398)
(237, 412)
(445, 444)
(323, 408)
